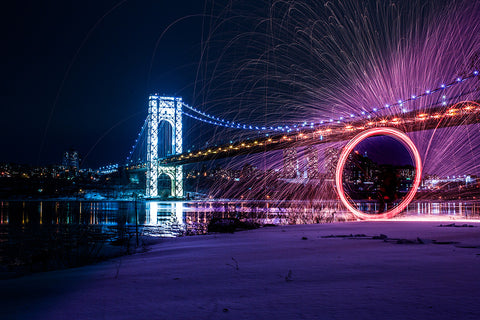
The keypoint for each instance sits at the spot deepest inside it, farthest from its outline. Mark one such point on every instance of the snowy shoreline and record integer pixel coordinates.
(354, 270)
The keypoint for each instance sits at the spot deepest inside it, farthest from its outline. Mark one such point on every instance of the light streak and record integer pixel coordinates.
(343, 159)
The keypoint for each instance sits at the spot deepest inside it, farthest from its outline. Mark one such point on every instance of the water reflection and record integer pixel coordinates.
(48, 235)
(164, 219)
(182, 215)
(159, 218)
(169, 219)
(452, 209)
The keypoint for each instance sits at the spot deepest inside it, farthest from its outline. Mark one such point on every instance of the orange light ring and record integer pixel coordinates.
(400, 136)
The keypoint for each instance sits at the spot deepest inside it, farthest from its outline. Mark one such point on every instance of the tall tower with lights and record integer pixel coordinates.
(290, 163)
(168, 109)
(312, 162)
(331, 160)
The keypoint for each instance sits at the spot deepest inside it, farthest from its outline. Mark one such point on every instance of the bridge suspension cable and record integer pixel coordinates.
(400, 103)
(137, 141)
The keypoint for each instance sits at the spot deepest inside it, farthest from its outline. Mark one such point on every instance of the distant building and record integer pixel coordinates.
(331, 161)
(290, 163)
(71, 159)
(360, 169)
(311, 154)
(407, 172)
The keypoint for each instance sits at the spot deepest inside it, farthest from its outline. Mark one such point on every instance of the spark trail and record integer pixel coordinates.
(269, 62)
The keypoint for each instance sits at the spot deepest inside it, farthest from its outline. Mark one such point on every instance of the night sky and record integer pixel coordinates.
(77, 74)
(385, 150)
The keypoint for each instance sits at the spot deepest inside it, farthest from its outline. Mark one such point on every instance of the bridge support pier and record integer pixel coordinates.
(175, 173)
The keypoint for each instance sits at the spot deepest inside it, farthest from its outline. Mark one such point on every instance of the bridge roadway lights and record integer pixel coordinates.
(400, 136)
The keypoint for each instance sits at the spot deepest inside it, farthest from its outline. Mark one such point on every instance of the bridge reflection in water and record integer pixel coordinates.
(189, 218)
(177, 218)
(46, 235)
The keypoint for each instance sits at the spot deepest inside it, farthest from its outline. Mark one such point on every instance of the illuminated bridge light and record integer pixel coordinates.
(395, 120)
(452, 112)
(422, 116)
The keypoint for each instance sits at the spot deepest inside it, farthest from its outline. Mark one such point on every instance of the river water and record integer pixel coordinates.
(47, 235)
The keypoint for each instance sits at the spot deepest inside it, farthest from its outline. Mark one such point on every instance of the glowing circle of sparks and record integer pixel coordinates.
(402, 137)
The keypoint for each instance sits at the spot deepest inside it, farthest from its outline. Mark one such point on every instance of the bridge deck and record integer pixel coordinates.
(457, 115)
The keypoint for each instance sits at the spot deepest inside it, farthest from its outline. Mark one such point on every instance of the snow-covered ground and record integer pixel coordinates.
(287, 272)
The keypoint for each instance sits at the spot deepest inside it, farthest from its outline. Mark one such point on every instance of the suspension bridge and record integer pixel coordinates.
(447, 105)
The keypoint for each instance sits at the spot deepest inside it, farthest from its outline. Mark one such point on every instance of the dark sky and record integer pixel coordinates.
(385, 150)
(75, 74)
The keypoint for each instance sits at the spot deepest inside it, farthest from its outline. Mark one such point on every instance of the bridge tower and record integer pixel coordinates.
(167, 109)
